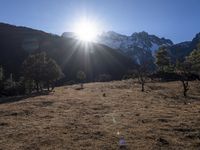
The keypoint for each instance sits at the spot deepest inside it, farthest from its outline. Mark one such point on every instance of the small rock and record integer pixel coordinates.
(3, 124)
(162, 120)
(137, 114)
(162, 141)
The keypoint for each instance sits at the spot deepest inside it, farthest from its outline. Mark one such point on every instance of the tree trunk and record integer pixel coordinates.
(52, 86)
(41, 88)
(37, 86)
(48, 85)
(185, 88)
(142, 87)
(142, 81)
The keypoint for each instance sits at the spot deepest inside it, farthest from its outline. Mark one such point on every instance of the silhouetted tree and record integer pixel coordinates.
(41, 69)
(52, 72)
(33, 67)
(81, 77)
(162, 59)
(10, 83)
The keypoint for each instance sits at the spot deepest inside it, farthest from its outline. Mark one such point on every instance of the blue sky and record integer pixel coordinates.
(178, 20)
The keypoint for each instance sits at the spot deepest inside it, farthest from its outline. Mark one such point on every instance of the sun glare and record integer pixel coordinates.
(86, 30)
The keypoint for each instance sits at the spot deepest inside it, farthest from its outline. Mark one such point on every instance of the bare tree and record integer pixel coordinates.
(142, 71)
(183, 70)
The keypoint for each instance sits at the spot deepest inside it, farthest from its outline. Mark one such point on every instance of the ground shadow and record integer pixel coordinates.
(12, 99)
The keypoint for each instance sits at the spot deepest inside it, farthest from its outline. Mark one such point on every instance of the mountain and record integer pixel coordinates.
(16, 43)
(142, 46)
(69, 35)
(181, 50)
(139, 46)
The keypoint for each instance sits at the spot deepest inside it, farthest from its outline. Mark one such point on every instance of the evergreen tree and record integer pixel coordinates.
(52, 72)
(41, 69)
(194, 60)
(33, 67)
(81, 77)
(162, 59)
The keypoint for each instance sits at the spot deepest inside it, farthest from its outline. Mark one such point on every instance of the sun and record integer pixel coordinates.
(86, 30)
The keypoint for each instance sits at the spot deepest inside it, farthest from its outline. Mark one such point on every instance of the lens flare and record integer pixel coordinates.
(86, 30)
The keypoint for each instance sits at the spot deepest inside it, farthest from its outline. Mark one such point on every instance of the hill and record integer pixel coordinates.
(16, 43)
(100, 114)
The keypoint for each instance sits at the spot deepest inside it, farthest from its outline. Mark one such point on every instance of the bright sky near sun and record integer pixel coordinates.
(177, 20)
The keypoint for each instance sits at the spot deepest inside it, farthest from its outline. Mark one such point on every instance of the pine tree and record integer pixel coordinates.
(194, 60)
(162, 59)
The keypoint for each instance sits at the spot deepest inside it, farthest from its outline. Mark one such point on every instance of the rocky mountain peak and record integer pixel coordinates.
(137, 46)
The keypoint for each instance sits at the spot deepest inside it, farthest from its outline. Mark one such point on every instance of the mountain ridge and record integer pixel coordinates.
(16, 43)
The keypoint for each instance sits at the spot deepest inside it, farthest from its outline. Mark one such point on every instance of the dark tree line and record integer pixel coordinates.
(39, 72)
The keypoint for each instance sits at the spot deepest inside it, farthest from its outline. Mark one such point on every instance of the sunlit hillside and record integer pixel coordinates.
(102, 114)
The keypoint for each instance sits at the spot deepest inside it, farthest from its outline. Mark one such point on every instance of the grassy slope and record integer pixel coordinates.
(89, 119)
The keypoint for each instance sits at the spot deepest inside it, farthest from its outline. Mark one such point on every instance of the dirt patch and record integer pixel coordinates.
(44, 104)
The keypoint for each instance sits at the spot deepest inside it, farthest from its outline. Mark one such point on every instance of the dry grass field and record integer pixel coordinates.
(98, 116)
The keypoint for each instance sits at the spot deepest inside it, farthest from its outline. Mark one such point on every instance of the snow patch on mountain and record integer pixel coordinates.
(136, 45)
(154, 48)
